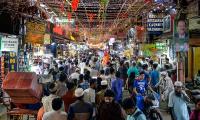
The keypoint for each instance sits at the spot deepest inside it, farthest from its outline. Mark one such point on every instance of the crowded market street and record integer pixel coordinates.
(99, 59)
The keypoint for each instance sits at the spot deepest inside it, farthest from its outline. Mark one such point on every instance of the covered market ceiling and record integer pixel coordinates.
(94, 13)
(98, 18)
(95, 19)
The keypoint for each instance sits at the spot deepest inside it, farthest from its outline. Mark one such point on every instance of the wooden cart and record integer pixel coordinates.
(23, 89)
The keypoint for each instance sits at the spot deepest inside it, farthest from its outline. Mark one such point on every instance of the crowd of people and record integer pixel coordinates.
(85, 89)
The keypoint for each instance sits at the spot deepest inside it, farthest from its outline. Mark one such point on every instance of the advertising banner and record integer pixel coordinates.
(181, 35)
(9, 44)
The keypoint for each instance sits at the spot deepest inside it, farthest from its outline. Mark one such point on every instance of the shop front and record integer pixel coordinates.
(9, 52)
(194, 58)
(194, 41)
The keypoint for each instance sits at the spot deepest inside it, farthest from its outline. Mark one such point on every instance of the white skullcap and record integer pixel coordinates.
(104, 82)
(178, 84)
(79, 92)
(163, 73)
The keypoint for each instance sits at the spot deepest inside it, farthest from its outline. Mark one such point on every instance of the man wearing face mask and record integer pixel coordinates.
(109, 109)
(178, 100)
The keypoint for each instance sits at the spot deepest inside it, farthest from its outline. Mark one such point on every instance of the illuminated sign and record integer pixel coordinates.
(9, 44)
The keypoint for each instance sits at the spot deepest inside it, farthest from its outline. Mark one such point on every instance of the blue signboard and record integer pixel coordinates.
(154, 24)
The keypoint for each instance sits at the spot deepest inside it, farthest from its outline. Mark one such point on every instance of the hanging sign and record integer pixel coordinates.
(35, 38)
(35, 32)
(154, 23)
(36, 27)
(12, 62)
(9, 44)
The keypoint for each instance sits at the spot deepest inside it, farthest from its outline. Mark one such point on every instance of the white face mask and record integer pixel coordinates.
(107, 101)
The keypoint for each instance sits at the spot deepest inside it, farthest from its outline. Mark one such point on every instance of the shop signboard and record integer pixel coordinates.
(35, 32)
(9, 43)
(36, 27)
(155, 23)
(34, 38)
(12, 62)
(161, 47)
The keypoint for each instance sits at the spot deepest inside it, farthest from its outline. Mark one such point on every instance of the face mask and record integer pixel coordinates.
(178, 94)
(107, 101)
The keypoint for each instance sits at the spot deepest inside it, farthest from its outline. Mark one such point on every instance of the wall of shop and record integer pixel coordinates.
(194, 64)
(194, 57)
(194, 42)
